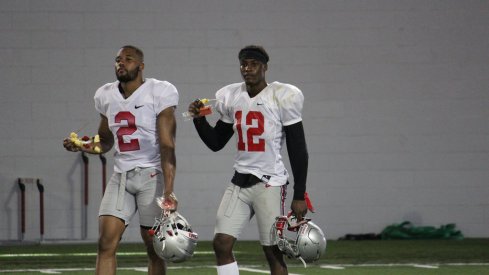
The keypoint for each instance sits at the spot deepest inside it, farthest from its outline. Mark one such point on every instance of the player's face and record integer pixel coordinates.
(252, 71)
(127, 65)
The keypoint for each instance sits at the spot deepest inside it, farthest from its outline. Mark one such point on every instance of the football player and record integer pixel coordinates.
(261, 115)
(137, 119)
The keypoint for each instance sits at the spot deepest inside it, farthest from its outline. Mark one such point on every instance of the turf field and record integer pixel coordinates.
(469, 256)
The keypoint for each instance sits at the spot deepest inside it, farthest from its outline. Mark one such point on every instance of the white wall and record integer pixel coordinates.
(396, 110)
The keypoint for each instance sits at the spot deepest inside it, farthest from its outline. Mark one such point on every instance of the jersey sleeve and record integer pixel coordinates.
(291, 101)
(99, 98)
(165, 95)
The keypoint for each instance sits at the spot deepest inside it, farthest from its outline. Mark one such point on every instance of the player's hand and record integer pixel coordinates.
(194, 108)
(70, 146)
(169, 202)
(85, 144)
(299, 209)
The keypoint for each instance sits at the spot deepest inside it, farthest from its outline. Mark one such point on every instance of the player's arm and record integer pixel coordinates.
(214, 137)
(99, 144)
(106, 136)
(166, 128)
(299, 157)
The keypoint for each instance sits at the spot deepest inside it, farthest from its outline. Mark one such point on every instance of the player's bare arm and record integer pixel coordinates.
(106, 136)
(166, 128)
(299, 157)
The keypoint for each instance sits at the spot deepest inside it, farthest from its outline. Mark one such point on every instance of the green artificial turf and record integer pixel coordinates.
(357, 257)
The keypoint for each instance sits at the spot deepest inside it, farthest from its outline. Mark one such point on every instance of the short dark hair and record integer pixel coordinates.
(138, 51)
(254, 52)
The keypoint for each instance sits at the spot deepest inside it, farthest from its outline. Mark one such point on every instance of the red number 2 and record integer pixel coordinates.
(259, 145)
(133, 144)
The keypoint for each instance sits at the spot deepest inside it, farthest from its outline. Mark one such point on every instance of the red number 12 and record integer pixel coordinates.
(259, 145)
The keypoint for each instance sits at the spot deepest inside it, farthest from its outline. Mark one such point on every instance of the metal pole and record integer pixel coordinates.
(85, 200)
(22, 208)
(104, 172)
(40, 187)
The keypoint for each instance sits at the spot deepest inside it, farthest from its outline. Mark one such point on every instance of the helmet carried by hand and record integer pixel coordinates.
(173, 238)
(307, 244)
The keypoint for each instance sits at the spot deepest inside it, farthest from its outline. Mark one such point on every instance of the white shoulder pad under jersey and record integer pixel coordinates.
(132, 121)
(258, 124)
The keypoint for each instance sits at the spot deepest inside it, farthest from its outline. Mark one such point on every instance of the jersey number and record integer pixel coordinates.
(259, 145)
(133, 144)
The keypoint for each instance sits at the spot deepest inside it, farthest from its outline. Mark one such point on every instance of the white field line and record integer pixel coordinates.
(337, 267)
(260, 270)
(430, 265)
(426, 266)
(140, 269)
(88, 254)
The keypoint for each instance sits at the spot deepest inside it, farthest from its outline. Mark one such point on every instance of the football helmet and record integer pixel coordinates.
(308, 244)
(173, 238)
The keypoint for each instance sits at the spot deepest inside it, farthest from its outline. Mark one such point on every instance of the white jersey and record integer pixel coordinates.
(132, 121)
(258, 123)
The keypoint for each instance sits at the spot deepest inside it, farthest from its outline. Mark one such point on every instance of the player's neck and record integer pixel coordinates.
(253, 90)
(128, 88)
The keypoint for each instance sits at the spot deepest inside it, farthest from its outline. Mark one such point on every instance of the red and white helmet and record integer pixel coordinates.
(308, 243)
(173, 238)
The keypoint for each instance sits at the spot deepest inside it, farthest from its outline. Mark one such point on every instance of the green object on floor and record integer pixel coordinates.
(406, 230)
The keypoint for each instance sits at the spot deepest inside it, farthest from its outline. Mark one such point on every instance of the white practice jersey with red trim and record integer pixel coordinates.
(132, 121)
(258, 124)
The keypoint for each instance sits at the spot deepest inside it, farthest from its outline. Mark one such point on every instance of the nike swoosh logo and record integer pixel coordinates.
(153, 174)
(137, 107)
(258, 104)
